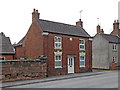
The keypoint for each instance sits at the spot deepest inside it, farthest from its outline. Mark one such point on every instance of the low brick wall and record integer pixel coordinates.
(13, 70)
(113, 67)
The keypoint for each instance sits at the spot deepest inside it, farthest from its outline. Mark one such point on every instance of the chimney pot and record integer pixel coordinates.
(117, 21)
(101, 32)
(35, 14)
(34, 10)
(37, 11)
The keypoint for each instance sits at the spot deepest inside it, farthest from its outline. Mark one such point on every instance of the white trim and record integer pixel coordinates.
(81, 54)
(45, 33)
(7, 52)
(58, 60)
(90, 39)
(114, 58)
(71, 64)
(114, 47)
(58, 53)
(60, 43)
(81, 44)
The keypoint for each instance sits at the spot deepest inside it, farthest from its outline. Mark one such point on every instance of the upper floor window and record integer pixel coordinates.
(114, 47)
(58, 61)
(82, 44)
(57, 42)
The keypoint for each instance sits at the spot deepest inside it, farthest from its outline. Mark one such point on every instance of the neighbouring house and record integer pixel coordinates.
(106, 48)
(68, 47)
(6, 49)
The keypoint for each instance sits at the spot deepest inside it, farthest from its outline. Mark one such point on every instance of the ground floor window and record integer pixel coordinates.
(58, 61)
(114, 59)
(82, 60)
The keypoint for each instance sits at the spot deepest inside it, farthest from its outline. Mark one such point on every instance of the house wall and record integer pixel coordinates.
(100, 52)
(36, 44)
(68, 48)
(113, 53)
(118, 54)
(8, 57)
(32, 46)
(20, 52)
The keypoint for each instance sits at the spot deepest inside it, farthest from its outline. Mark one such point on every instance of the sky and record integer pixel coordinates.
(16, 17)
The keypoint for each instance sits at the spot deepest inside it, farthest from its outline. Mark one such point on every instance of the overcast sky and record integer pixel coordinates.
(16, 18)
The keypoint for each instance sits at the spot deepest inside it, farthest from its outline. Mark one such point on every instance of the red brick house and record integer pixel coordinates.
(6, 49)
(67, 47)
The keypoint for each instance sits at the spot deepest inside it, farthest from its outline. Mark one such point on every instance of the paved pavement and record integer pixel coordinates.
(106, 79)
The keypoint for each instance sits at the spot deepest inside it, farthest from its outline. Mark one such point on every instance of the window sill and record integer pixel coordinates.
(58, 48)
(58, 67)
(114, 50)
(82, 67)
(81, 49)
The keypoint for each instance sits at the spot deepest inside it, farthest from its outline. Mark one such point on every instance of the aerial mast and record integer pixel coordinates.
(80, 13)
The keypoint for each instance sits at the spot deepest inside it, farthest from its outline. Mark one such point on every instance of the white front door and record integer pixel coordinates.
(70, 64)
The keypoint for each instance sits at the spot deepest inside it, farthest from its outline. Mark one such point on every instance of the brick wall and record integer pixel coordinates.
(8, 57)
(23, 70)
(32, 45)
(68, 48)
(20, 52)
(34, 42)
(113, 67)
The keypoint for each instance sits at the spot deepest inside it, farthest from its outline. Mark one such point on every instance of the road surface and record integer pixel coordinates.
(107, 79)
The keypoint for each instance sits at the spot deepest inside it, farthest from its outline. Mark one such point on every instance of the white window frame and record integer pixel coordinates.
(82, 60)
(114, 47)
(81, 44)
(58, 42)
(58, 60)
(114, 58)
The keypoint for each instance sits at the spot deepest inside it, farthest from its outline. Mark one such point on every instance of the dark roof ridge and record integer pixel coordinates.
(58, 27)
(60, 23)
(111, 38)
(111, 35)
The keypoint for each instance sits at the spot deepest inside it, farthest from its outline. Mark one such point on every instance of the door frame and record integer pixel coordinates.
(73, 63)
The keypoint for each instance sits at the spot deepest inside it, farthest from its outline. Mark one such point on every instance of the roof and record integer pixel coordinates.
(5, 45)
(21, 40)
(111, 38)
(61, 28)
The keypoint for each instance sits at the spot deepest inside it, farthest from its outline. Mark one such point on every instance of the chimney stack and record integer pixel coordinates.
(79, 23)
(99, 30)
(35, 14)
(116, 25)
(116, 30)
